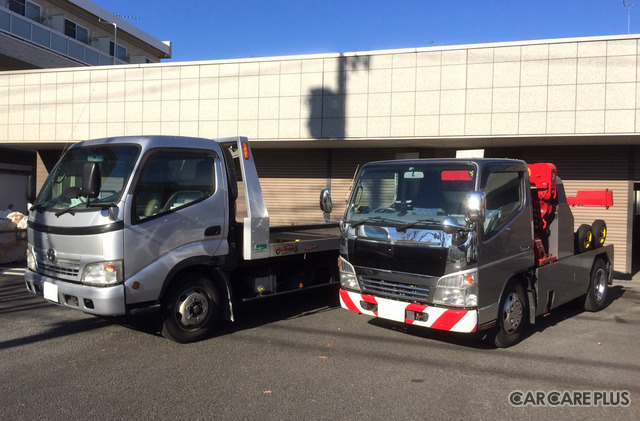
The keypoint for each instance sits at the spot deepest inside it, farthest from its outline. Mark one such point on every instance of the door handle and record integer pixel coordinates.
(525, 247)
(214, 230)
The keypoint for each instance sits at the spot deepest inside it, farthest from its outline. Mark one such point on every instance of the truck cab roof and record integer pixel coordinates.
(149, 142)
(480, 162)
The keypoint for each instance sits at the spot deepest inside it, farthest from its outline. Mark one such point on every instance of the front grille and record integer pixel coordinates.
(395, 290)
(70, 269)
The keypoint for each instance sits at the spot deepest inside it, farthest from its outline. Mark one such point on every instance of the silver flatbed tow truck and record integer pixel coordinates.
(133, 224)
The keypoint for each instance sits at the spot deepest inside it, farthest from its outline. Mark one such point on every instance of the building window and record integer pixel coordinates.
(26, 9)
(121, 52)
(75, 31)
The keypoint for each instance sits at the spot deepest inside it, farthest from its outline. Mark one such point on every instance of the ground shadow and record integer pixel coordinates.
(255, 313)
(483, 340)
(59, 330)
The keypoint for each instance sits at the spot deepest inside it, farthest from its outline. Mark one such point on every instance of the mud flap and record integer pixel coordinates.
(610, 272)
(227, 311)
(532, 306)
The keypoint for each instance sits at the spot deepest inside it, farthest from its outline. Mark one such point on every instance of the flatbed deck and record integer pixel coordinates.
(302, 239)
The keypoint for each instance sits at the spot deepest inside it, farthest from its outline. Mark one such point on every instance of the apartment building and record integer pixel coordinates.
(70, 33)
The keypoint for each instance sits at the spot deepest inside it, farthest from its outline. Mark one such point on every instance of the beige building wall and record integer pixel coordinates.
(557, 89)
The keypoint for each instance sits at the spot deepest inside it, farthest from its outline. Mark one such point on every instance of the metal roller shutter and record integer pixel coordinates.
(596, 168)
(344, 163)
(291, 181)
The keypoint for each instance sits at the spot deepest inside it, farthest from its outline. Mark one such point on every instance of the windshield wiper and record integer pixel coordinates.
(404, 227)
(69, 209)
(102, 206)
(374, 218)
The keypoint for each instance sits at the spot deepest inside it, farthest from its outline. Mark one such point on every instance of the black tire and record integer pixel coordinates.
(598, 287)
(599, 229)
(191, 308)
(512, 317)
(584, 238)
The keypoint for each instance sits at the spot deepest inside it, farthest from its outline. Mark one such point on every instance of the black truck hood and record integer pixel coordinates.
(397, 256)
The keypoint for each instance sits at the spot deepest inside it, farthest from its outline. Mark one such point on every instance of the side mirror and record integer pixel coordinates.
(476, 208)
(91, 180)
(31, 190)
(325, 201)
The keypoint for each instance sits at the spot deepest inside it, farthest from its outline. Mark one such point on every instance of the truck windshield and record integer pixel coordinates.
(407, 195)
(116, 163)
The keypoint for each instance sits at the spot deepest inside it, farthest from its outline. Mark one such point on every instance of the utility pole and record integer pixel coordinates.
(115, 37)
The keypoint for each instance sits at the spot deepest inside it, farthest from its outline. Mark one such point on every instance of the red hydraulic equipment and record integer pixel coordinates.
(603, 198)
(542, 178)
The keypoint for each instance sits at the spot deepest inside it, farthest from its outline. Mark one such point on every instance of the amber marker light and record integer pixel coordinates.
(245, 150)
(468, 279)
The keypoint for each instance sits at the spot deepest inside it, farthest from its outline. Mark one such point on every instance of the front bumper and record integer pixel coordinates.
(453, 320)
(101, 301)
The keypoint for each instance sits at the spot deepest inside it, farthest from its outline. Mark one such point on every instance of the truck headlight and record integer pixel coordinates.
(31, 261)
(348, 278)
(460, 290)
(103, 273)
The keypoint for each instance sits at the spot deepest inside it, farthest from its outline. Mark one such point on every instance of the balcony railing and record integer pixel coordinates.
(42, 35)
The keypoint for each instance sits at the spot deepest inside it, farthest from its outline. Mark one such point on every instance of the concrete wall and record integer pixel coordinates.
(560, 88)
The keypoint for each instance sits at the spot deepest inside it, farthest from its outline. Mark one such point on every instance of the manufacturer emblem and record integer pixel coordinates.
(51, 255)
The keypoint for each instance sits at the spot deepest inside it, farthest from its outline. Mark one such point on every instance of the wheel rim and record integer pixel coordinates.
(513, 312)
(602, 235)
(192, 309)
(588, 238)
(599, 284)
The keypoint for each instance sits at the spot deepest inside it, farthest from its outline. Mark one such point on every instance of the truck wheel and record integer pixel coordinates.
(584, 238)
(597, 294)
(191, 309)
(599, 229)
(512, 317)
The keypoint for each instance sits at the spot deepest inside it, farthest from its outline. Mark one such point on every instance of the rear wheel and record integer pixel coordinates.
(599, 229)
(191, 309)
(598, 286)
(512, 317)
(584, 238)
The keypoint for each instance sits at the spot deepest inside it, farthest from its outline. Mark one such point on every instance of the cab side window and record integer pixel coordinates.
(170, 181)
(504, 199)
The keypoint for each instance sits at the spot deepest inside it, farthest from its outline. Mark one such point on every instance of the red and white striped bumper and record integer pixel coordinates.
(465, 321)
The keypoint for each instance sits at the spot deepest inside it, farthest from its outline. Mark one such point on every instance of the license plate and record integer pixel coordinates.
(50, 291)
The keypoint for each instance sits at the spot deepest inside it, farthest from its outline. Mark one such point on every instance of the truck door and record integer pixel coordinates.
(507, 232)
(177, 211)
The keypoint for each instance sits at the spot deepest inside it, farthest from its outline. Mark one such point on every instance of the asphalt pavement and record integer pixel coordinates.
(303, 357)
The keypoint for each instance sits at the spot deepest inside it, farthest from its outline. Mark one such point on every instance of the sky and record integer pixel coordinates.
(229, 29)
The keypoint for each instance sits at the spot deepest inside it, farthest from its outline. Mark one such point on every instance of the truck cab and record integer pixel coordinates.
(78, 240)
